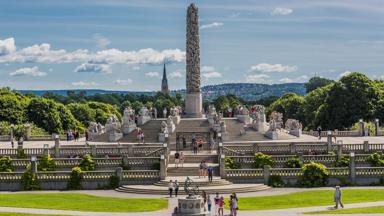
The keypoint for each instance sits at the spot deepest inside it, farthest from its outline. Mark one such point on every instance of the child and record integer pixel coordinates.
(221, 206)
(209, 203)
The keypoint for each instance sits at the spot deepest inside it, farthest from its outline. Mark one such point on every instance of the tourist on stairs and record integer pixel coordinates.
(182, 159)
(177, 159)
(170, 188)
(176, 188)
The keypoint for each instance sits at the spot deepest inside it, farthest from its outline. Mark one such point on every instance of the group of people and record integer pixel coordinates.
(219, 203)
(73, 135)
(173, 187)
(179, 159)
(205, 170)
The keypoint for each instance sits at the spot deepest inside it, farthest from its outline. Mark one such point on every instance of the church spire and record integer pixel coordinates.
(164, 81)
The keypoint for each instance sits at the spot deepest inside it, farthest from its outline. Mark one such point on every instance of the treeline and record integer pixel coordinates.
(335, 104)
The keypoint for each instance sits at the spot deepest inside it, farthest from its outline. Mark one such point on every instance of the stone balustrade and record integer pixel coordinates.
(5, 137)
(338, 133)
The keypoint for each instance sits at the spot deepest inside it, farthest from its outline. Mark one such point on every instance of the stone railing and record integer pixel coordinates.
(58, 180)
(135, 163)
(5, 138)
(296, 148)
(338, 133)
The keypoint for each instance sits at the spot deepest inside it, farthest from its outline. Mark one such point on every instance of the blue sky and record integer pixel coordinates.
(121, 45)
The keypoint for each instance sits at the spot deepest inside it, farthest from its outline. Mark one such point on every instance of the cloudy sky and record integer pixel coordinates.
(121, 45)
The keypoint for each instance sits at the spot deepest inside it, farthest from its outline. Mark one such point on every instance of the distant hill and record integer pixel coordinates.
(247, 91)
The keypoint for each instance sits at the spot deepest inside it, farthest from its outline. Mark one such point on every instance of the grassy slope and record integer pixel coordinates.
(309, 198)
(364, 210)
(22, 214)
(81, 202)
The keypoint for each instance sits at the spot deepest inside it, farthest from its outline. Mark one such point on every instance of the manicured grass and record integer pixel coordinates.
(81, 202)
(309, 198)
(22, 214)
(364, 210)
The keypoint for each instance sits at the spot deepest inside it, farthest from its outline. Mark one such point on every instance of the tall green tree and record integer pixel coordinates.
(44, 113)
(316, 82)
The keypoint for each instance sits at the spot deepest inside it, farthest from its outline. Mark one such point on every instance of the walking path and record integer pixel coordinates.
(173, 202)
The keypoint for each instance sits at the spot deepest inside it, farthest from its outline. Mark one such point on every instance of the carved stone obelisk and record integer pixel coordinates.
(193, 99)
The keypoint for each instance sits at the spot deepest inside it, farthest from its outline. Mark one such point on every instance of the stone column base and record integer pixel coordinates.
(273, 135)
(193, 105)
(191, 207)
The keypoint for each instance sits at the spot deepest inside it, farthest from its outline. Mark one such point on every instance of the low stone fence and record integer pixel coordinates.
(135, 163)
(337, 133)
(337, 176)
(58, 180)
(143, 150)
(279, 160)
(295, 148)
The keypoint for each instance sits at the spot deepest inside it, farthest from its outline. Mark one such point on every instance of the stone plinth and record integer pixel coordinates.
(176, 119)
(273, 135)
(171, 128)
(114, 136)
(246, 119)
(211, 118)
(191, 207)
(259, 126)
(296, 133)
(143, 119)
(162, 137)
(193, 105)
(224, 136)
(128, 128)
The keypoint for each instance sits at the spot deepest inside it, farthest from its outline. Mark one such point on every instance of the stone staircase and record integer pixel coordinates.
(234, 126)
(193, 125)
(190, 169)
(218, 185)
(151, 132)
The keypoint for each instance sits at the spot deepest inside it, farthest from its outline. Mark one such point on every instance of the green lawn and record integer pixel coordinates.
(364, 210)
(22, 214)
(81, 202)
(308, 198)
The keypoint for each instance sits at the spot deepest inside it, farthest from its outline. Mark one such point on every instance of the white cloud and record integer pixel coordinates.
(101, 42)
(176, 74)
(209, 72)
(212, 25)
(257, 78)
(7, 46)
(285, 80)
(281, 11)
(84, 84)
(152, 74)
(136, 68)
(28, 71)
(269, 68)
(123, 82)
(43, 53)
(345, 73)
(93, 68)
(303, 78)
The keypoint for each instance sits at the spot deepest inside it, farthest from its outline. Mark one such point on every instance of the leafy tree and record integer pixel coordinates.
(87, 163)
(46, 163)
(82, 112)
(314, 175)
(260, 160)
(222, 103)
(6, 164)
(12, 107)
(313, 106)
(290, 105)
(231, 164)
(44, 113)
(75, 180)
(293, 162)
(137, 106)
(68, 121)
(124, 105)
(316, 82)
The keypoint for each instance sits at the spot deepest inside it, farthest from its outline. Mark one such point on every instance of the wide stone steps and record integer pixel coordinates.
(202, 183)
(189, 169)
(222, 189)
(196, 158)
(151, 132)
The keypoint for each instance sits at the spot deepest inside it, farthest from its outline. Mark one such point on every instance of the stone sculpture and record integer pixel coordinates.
(294, 127)
(128, 124)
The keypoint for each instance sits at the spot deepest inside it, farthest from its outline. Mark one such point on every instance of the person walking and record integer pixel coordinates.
(216, 200)
(184, 143)
(177, 159)
(319, 132)
(234, 206)
(337, 197)
(210, 173)
(221, 206)
(170, 188)
(201, 169)
(176, 188)
(209, 203)
(204, 195)
(182, 158)
(142, 137)
(138, 135)
(205, 169)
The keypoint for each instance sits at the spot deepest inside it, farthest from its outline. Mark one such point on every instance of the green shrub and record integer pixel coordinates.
(275, 181)
(75, 180)
(6, 164)
(376, 159)
(46, 163)
(260, 160)
(293, 162)
(155, 166)
(114, 181)
(87, 163)
(21, 154)
(342, 162)
(29, 180)
(230, 164)
(314, 175)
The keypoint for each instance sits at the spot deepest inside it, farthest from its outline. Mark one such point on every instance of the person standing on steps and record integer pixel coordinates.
(177, 159)
(210, 173)
(209, 203)
(319, 132)
(182, 158)
(176, 188)
(337, 197)
(170, 188)
(205, 169)
(195, 146)
(184, 143)
(201, 169)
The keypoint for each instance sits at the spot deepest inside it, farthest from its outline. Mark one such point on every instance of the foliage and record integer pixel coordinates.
(342, 162)
(114, 181)
(29, 180)
(314, 175)
(75, 180)
(275, 181)
(293, 162)
(155, 166)
(83, 113)
(317, 82)
(6, 164)
(376, 159)
(260, 160)
(231, 164)
(46, 163)
(12, 106)
(21, 154)
(290, 105)
(87, 163)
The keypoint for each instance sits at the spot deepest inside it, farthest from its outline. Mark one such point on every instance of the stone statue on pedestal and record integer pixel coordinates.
(128, 124)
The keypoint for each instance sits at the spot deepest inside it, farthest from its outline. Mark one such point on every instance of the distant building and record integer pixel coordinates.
(164, 82)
